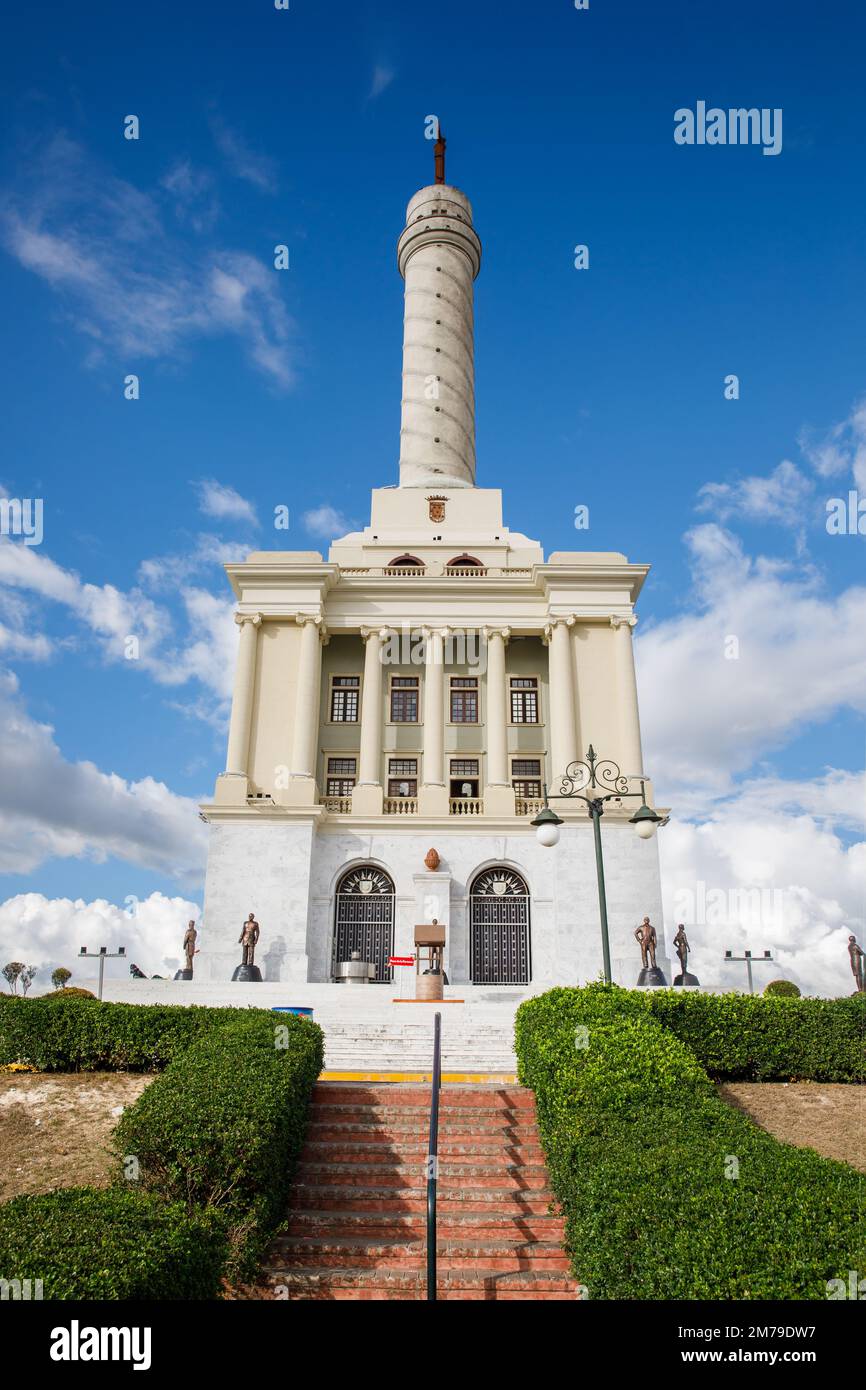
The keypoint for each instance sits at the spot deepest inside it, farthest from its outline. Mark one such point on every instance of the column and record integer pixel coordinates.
(631, 756)
(563, 742)
(305, 733)
(237, 756)
(367, 796)
(498, 793)
(433, 800)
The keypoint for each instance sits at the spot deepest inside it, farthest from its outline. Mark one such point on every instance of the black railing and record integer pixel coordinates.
(433, 1158)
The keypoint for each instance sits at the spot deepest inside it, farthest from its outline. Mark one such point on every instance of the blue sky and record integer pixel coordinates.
(261, 388)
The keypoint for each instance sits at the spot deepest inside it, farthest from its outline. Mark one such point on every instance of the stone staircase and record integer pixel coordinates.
(356, 1227)
(405, 1045)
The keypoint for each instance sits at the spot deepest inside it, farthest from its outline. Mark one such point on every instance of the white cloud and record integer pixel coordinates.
(241, 160)
(782, 497)
(83, 231)
(383, 76)
(205, 652)
(204, 551)
(325, 522)
(52, 808)
(48, 932)
(223, 502)
(801, 660)
(841, 449)
(195, 200)
(757, 878)
(30, 646)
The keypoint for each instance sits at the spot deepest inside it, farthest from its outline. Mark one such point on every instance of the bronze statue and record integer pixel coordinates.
(189, 949)
(248, 939)
(646, 935)
(681, 946)
(858, 963)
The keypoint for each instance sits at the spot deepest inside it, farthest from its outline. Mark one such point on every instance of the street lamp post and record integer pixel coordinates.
(766, 958)
(603, 781)
(103, 954)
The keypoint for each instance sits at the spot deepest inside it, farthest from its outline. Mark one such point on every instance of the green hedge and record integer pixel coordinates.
(113, 1244)
(56, 1033)
(641, 1151)
(223, 1124)
(739, 1036)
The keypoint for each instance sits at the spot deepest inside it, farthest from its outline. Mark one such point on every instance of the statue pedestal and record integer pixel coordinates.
(183, 974)
(686, 979)
(248, 975)
(429, 986)
(653, 977)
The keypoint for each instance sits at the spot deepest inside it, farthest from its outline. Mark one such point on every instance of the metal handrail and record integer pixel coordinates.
(433, 1158)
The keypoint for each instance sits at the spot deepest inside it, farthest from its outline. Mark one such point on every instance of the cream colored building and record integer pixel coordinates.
(415, 691)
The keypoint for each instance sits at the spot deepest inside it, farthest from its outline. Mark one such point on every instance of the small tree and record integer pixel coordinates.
(11, 973)
(27, 977)
(60, 976)
(784, 989)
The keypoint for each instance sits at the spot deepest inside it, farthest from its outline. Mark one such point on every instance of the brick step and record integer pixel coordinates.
(462, 1226)
(398, 1123)
(472, 1149)
(363, 1174)
(397, 1094)
(394, 1283)
(351, 1253)
(508, 1202)
(420, 1114)
(411, 1131)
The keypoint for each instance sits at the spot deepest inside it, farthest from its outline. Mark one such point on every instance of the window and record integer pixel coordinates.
(464, 767)
(402, 776)
(526, 776)
(405, 562)
(404, 699)
(341, 776)
(464, 700)
(344, 699)
(524, 700)
(464, 777)
(525, 788)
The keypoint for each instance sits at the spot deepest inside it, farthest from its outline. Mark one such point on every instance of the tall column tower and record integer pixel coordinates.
(439, 256)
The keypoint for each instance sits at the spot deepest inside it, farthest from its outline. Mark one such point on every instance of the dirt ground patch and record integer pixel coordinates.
(831, 1119)
(54, 1127)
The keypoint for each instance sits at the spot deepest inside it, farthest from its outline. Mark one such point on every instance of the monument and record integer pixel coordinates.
(857, 957)
(647, 938)
(248, 972)
(418, 687)
(682, 948)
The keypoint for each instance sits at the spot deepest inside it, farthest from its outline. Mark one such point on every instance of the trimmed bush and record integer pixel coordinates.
(737, 1036)
(668, 1192)
(59, 1033)
(115, 1244)
(70, 992)
(784, 989)
(752, 1037)
(222, 1126)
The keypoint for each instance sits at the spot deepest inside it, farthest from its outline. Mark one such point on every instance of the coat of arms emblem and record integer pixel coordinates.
(437, 508)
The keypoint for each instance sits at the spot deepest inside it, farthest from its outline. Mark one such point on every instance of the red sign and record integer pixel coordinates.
(401, 960)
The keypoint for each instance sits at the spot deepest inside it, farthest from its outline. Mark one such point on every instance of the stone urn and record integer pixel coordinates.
(432, 860)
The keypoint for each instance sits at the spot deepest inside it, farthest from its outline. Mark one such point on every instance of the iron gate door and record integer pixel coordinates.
(364, 919)
(499, 929)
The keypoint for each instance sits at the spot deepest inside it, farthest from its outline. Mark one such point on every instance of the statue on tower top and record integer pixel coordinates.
(439, 158)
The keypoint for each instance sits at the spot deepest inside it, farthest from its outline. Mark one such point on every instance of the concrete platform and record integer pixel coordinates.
(366, 1028)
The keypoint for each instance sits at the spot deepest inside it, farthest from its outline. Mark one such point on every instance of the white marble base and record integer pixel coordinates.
(286, 870)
